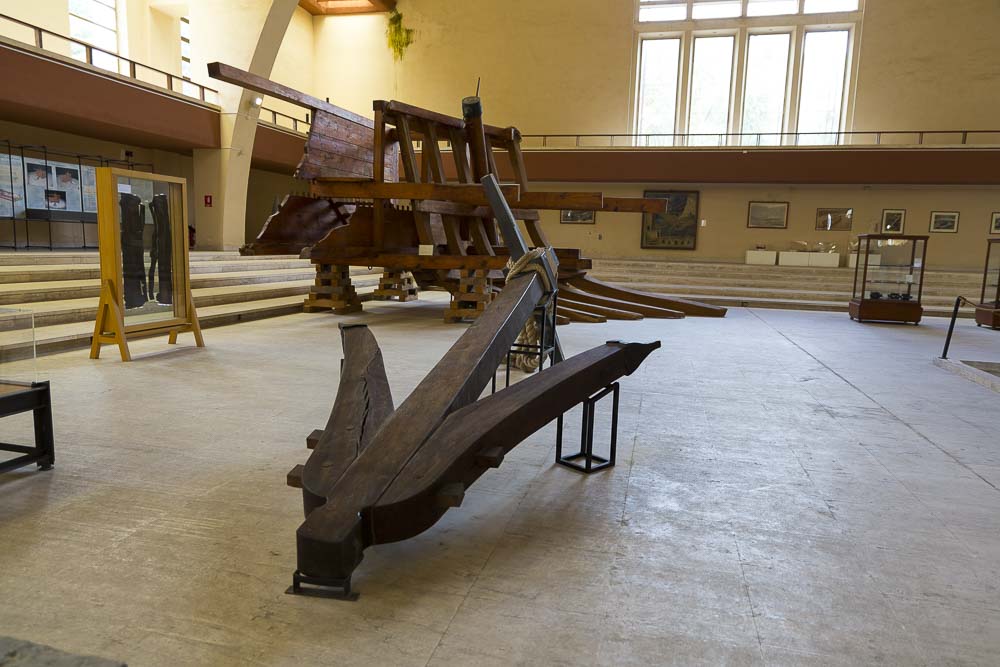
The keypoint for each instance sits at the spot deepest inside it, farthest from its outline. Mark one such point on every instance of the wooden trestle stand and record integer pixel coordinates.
(110, 327)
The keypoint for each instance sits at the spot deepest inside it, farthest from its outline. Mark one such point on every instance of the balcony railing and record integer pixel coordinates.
(284, 121)
(767, 139)
(103, 59)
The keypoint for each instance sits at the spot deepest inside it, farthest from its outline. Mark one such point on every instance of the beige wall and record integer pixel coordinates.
(928, 65)
(294, 65)
(725, 236)
(266, 187)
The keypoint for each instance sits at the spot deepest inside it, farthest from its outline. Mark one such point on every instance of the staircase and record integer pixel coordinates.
(62, 290)
(787, 287)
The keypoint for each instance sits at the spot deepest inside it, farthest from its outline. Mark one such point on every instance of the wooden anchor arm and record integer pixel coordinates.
(333, 537)
(363, 404)
(476, 438)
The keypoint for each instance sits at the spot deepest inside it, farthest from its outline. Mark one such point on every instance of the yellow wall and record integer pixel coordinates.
(725, 237)
(294, 65)
(929, 65)
(353, 63)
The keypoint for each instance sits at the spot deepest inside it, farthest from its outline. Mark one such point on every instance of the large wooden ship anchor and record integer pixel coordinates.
(380, 474)
(375, 200)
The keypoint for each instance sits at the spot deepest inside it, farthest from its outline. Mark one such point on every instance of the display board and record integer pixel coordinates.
(145, 274)
(37, 187)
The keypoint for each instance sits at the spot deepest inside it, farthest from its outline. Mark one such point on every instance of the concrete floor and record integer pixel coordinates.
(793, 489)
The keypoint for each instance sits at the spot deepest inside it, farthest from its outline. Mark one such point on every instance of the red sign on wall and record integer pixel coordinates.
(208, 201)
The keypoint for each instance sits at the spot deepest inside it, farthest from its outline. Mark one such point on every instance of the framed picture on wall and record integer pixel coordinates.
(944, 222)
(768, 214)
(995, 223)
(577, 217)
(893, 220)
(834, 219)
(677, 228)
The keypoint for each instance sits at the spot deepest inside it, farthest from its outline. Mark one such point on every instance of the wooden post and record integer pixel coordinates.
(474, 293)
(333, 290)
(396, 284)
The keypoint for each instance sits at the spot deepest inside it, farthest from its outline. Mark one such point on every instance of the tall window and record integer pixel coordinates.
(764, 90)
(757, 68)
(95, 22)
(187, 87)
(711, 81)
(823, 70)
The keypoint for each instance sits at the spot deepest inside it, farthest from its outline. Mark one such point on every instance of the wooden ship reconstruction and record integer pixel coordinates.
(375, 200)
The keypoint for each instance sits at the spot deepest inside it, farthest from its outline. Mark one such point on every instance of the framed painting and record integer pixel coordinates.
(995, 223)
(834, 219)
(577, 217)
(944, 222)
(677, 228)
(767, 215)
(893, 220)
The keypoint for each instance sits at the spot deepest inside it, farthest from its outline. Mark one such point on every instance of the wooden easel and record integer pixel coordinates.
(110, 327)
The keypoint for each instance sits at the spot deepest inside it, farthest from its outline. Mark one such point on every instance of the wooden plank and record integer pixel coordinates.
(580, 316)
(634, 205)
(570, 293)
(686, 306)
(594, 309)
(363, 404)
(394, 109)
(406, 155)
(327, 125)
(465, 194)
(245, 79)
(467, 210)
(572, 201)
(418, 262)
(502, 420)
(333, 537)
(460, 153)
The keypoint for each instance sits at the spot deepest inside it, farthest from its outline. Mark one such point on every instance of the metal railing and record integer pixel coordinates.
(100, 58)
(284, 121)
(767, 139)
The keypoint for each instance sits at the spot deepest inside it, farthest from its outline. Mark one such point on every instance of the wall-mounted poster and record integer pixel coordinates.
(834, 219)
(11, 186)
(944, 221)
(677, 228)
(893, 220)
(577, 217)
(38, 178)
(768, 214)
(995, 223)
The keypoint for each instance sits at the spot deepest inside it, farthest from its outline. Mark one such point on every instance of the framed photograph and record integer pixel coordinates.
(944, 221)
(834, 219)
(995, 223)
(577, 217)
(893, 220)
(677, 229)
(768, 215)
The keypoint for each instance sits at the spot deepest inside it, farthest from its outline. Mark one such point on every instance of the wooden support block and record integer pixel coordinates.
(294, 477)
(313, 438)
(450, 495)
(490, 458)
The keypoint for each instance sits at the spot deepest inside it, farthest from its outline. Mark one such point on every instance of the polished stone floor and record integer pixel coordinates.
(793, 488)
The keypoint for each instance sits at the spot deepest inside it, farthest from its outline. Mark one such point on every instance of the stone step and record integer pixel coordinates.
(57, 257)
(724, 269)
(24, 274)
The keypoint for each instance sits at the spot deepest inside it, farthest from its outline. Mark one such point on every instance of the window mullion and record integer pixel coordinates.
(795, 83)
(738, 88)
(684, 94)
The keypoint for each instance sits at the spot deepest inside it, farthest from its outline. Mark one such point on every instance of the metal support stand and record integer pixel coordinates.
(951, 326)
(333, 589)
(587, 436)
(546, 346)
(33, 397)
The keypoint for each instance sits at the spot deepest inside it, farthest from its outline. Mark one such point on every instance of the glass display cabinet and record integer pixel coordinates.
(889, 288)
(988, 308)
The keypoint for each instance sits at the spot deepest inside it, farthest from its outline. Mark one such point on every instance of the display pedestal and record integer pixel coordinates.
(885, 310)
(762, 257)
(829, 260)
(988, 315)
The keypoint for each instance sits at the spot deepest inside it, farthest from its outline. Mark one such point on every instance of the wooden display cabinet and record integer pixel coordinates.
(988, 308)
(891, 289)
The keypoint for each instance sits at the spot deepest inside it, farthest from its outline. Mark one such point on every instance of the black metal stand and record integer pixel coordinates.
(587, 436)
(334, 589)
(33, 397)
(546, 345)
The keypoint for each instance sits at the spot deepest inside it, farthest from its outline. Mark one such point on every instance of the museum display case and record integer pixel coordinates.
(988, 308)
(890, 289)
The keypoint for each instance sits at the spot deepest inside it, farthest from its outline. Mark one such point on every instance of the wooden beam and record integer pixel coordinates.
(463, 194)
(452, 208)
(630, 205)
(239, 77)
(418, 262)
(686, 306)
(571, 201)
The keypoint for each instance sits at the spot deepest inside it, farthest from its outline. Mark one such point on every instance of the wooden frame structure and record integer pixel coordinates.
(378, 193)
(110, 326)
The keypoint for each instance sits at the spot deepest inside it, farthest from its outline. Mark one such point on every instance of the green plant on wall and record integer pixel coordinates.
(399, 37)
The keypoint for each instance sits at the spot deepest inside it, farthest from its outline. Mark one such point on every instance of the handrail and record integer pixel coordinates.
(132, 69)
(275, 115)
(951, 327)
(760, 139)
